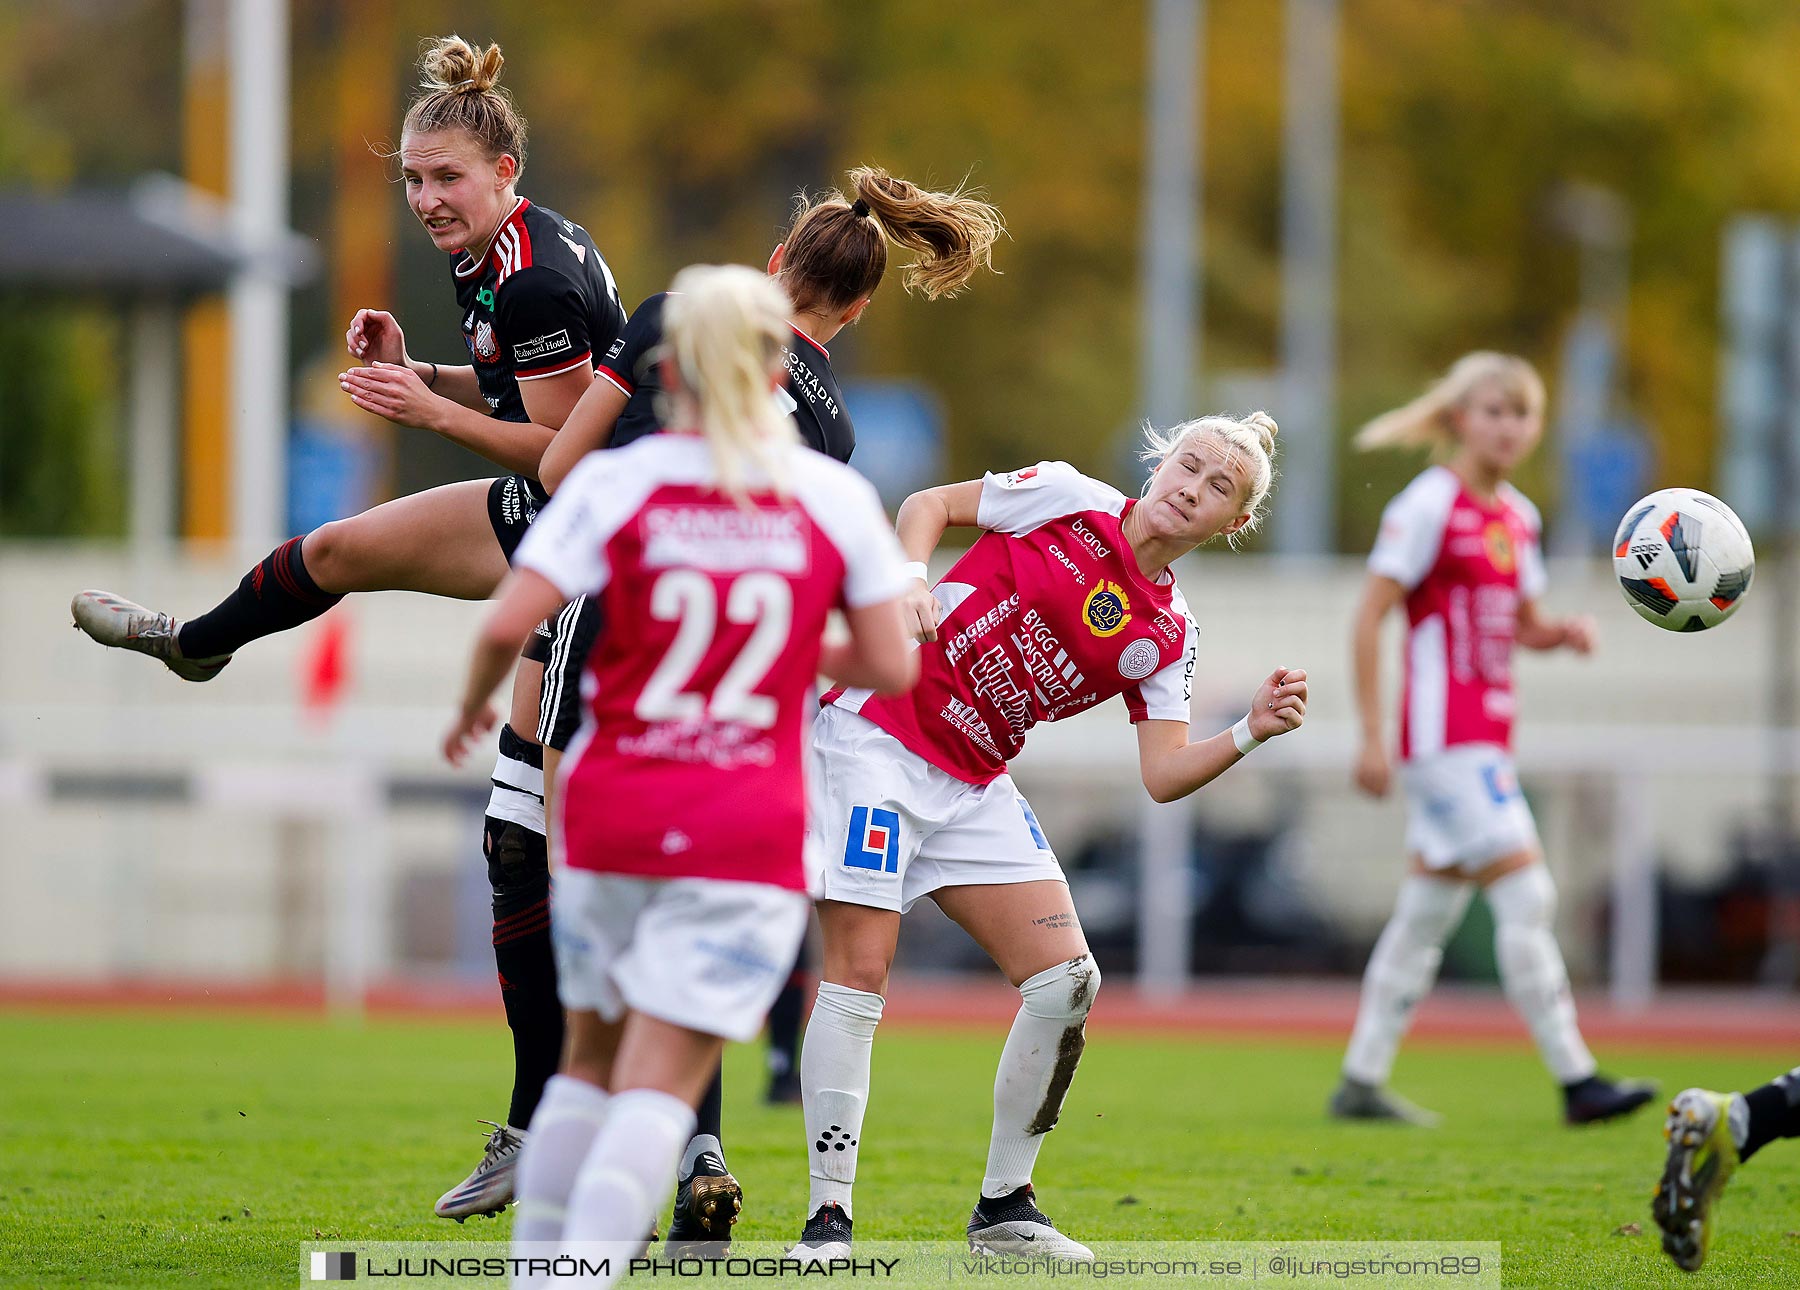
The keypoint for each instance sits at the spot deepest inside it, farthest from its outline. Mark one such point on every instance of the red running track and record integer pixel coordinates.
(1262, 1008)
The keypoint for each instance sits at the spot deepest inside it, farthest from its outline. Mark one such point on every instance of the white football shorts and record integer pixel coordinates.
(1465, 807)
(696, 952)
(891, 827)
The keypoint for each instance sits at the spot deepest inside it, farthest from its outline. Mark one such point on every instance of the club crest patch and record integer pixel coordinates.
(1107, 609)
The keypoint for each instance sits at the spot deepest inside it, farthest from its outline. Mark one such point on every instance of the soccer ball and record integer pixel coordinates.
(1683, 559)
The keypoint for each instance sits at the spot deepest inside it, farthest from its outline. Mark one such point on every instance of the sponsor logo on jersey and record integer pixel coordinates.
(1091, 540)
(993, 675)
(1107, 609)
(1497, 538)
(1073, 568)
(1019, 476)
(958, 645)
(556, 342)
(807, 382)
(1079, 702)
(483, 346)
(874, 840)
(965, 718)
(725, 539)
(1167, 626)
(722, 745)
(1054, 673)
(485, 297)
(573, 245)
(1139, 659)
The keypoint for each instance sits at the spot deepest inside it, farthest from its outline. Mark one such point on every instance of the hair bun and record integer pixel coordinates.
(1265, 426)
(452, 65)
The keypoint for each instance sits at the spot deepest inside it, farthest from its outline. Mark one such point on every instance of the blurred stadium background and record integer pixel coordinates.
(1311, 206)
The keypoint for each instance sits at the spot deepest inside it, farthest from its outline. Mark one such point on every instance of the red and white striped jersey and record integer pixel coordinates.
(1467, 565)
(1046, 615)
(689, 763)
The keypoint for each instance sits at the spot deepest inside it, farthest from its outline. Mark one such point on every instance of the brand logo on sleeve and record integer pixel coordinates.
(874, 841)
(1019, 476)
(1107, 609)
(557, 342)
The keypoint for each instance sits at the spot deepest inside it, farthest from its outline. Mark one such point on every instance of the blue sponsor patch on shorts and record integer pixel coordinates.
(874, 841)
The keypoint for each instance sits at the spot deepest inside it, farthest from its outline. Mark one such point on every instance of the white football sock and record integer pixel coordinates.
(563, 1127)
(834, 1087)
(1036, 1067)
(628, 1171)
(1532, 970)
(1401, 971)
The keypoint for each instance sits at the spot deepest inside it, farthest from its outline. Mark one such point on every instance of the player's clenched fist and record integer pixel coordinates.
(920, 611)
(1280, 703)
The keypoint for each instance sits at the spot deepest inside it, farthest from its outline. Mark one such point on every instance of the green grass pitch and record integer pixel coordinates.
(183, 1149)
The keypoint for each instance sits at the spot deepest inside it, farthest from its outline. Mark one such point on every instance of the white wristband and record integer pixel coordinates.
(1241, 736)
(916, 569)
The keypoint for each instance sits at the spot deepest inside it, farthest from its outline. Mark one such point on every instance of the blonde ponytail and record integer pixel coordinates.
(1248, 439)
(1427, 421)
(726, 327)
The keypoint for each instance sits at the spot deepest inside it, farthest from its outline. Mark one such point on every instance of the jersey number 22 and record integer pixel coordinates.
(689, 598)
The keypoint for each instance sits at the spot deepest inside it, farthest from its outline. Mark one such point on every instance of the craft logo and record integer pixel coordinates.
(1498, 540)
(874, 841)
(1107, 609)
(1138, 660)
(333, 1266)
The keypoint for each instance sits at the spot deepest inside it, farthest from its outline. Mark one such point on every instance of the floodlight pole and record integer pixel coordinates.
(258, 294)
(1305, 504)
(1170, 340)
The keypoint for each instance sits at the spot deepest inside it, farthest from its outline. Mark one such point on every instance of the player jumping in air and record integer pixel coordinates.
(1459, 550)
(1066, 600)
(830, 262)
(1710, 1135)
(716, 550)
(539, 306)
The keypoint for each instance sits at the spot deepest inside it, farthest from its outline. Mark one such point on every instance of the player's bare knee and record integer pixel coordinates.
(330, 554)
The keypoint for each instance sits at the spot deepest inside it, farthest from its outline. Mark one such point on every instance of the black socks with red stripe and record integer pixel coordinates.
(276, 595)
(1774, 1112)
(519, 872)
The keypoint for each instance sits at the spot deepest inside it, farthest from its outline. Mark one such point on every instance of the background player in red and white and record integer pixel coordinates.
(538, 304)
(717, 550)
(1066, 600)
(832, 258)
(1459, 550)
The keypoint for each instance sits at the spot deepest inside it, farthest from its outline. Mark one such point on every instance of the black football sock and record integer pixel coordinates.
(784, 1023)
(710, 1114)
(276, 595)
(1774, 1112)
(519, 872)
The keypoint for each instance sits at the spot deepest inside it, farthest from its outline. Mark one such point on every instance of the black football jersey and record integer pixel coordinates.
(810, 392)
(541, 301)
